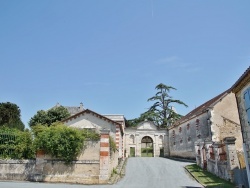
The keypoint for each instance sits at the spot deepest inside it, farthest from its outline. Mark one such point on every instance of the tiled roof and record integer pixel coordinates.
(72, 109)
(202, 108)
(244, 78)
(95, 114)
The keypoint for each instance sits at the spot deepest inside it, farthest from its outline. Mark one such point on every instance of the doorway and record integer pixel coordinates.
(147, 147)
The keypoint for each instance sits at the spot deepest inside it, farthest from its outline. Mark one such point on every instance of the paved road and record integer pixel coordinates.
(140, 173)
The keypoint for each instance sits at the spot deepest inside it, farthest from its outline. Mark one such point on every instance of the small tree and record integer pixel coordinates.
(48, 117)
(10, 116)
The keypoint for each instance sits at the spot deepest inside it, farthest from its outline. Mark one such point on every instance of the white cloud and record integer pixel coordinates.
(178, 63)
(168, 60)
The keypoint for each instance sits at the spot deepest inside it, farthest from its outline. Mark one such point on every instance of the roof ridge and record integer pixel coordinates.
(203, 106)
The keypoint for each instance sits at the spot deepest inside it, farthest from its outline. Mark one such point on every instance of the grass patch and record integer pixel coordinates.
(208, 179)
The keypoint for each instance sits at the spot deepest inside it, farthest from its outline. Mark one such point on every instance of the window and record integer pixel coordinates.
(180, 129)
(247, 103)
(132, 139)
(181, 141)
(188, 126)
(197, 121)
(173, 133)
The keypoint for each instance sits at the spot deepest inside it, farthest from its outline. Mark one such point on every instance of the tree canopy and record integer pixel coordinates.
(10, 116)
(48, 117)
(162, 112)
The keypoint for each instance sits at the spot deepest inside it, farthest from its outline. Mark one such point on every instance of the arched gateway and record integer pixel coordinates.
(147, 147)
(145, 140)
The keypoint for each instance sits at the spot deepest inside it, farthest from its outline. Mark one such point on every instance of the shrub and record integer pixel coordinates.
(60, 141)
(16, 144)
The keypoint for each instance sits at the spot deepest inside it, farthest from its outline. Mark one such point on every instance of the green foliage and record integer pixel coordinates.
(162, 108)
(161, 112)
(114, 172)
(61, 141)
(16, 144)
(112, 144)
(90, 135)
(149, 115)
(10, 116)
(48, 117)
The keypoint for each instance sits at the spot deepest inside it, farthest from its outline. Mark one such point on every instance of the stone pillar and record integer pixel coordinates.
(168, 144)
(104, 157)
(232, 157)
(138, 145)
(37, 174)
(156, 146)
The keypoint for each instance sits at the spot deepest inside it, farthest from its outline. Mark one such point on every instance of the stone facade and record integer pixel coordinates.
(134, 140)
(213, 120)
(88, 119)
(241, 88)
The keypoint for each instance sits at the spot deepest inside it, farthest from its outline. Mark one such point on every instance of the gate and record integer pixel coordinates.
(147, 149)
(132, 152)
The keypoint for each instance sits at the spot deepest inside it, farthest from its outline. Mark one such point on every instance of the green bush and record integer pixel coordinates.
(16, 144)
(60, 141)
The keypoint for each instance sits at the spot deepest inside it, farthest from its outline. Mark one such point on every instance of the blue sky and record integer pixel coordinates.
(111, 54)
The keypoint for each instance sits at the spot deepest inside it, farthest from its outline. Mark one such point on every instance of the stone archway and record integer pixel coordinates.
(147, 147)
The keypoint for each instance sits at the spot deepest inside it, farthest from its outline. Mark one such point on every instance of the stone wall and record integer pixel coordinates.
(93, 166)
(84, 170)
(183, 136)
(218, 158)
(225, 121)
(16, 169)
(244, 125)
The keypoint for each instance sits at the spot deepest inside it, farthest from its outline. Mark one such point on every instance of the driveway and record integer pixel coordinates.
(140, 173)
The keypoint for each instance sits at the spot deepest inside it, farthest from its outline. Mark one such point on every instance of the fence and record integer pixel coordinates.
(7, 144)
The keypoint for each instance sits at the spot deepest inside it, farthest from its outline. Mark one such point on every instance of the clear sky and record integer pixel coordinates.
(110, 54)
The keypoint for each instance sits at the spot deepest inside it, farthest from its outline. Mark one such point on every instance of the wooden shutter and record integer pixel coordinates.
(247, 103)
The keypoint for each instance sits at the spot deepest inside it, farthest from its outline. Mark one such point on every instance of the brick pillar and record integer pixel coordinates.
(232, 157)
(104, 157)
(117, 140)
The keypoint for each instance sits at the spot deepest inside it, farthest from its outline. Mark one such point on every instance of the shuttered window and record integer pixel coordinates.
(247, 103)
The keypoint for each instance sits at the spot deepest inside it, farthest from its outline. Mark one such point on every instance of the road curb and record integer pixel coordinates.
(193, 176)
(120, 169)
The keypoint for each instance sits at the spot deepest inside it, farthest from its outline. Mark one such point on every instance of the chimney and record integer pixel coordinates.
(81, 106)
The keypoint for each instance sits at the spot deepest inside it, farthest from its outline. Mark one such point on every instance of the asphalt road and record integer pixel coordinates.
(140, 173)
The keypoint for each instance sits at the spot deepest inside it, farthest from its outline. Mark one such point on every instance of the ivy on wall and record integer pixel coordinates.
(112, 144)
(61, 141)
(58, 140)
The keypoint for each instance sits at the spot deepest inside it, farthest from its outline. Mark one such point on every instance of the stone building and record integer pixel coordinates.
(145, 140)
(88, 119)
(242, 91)
(214, 120)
